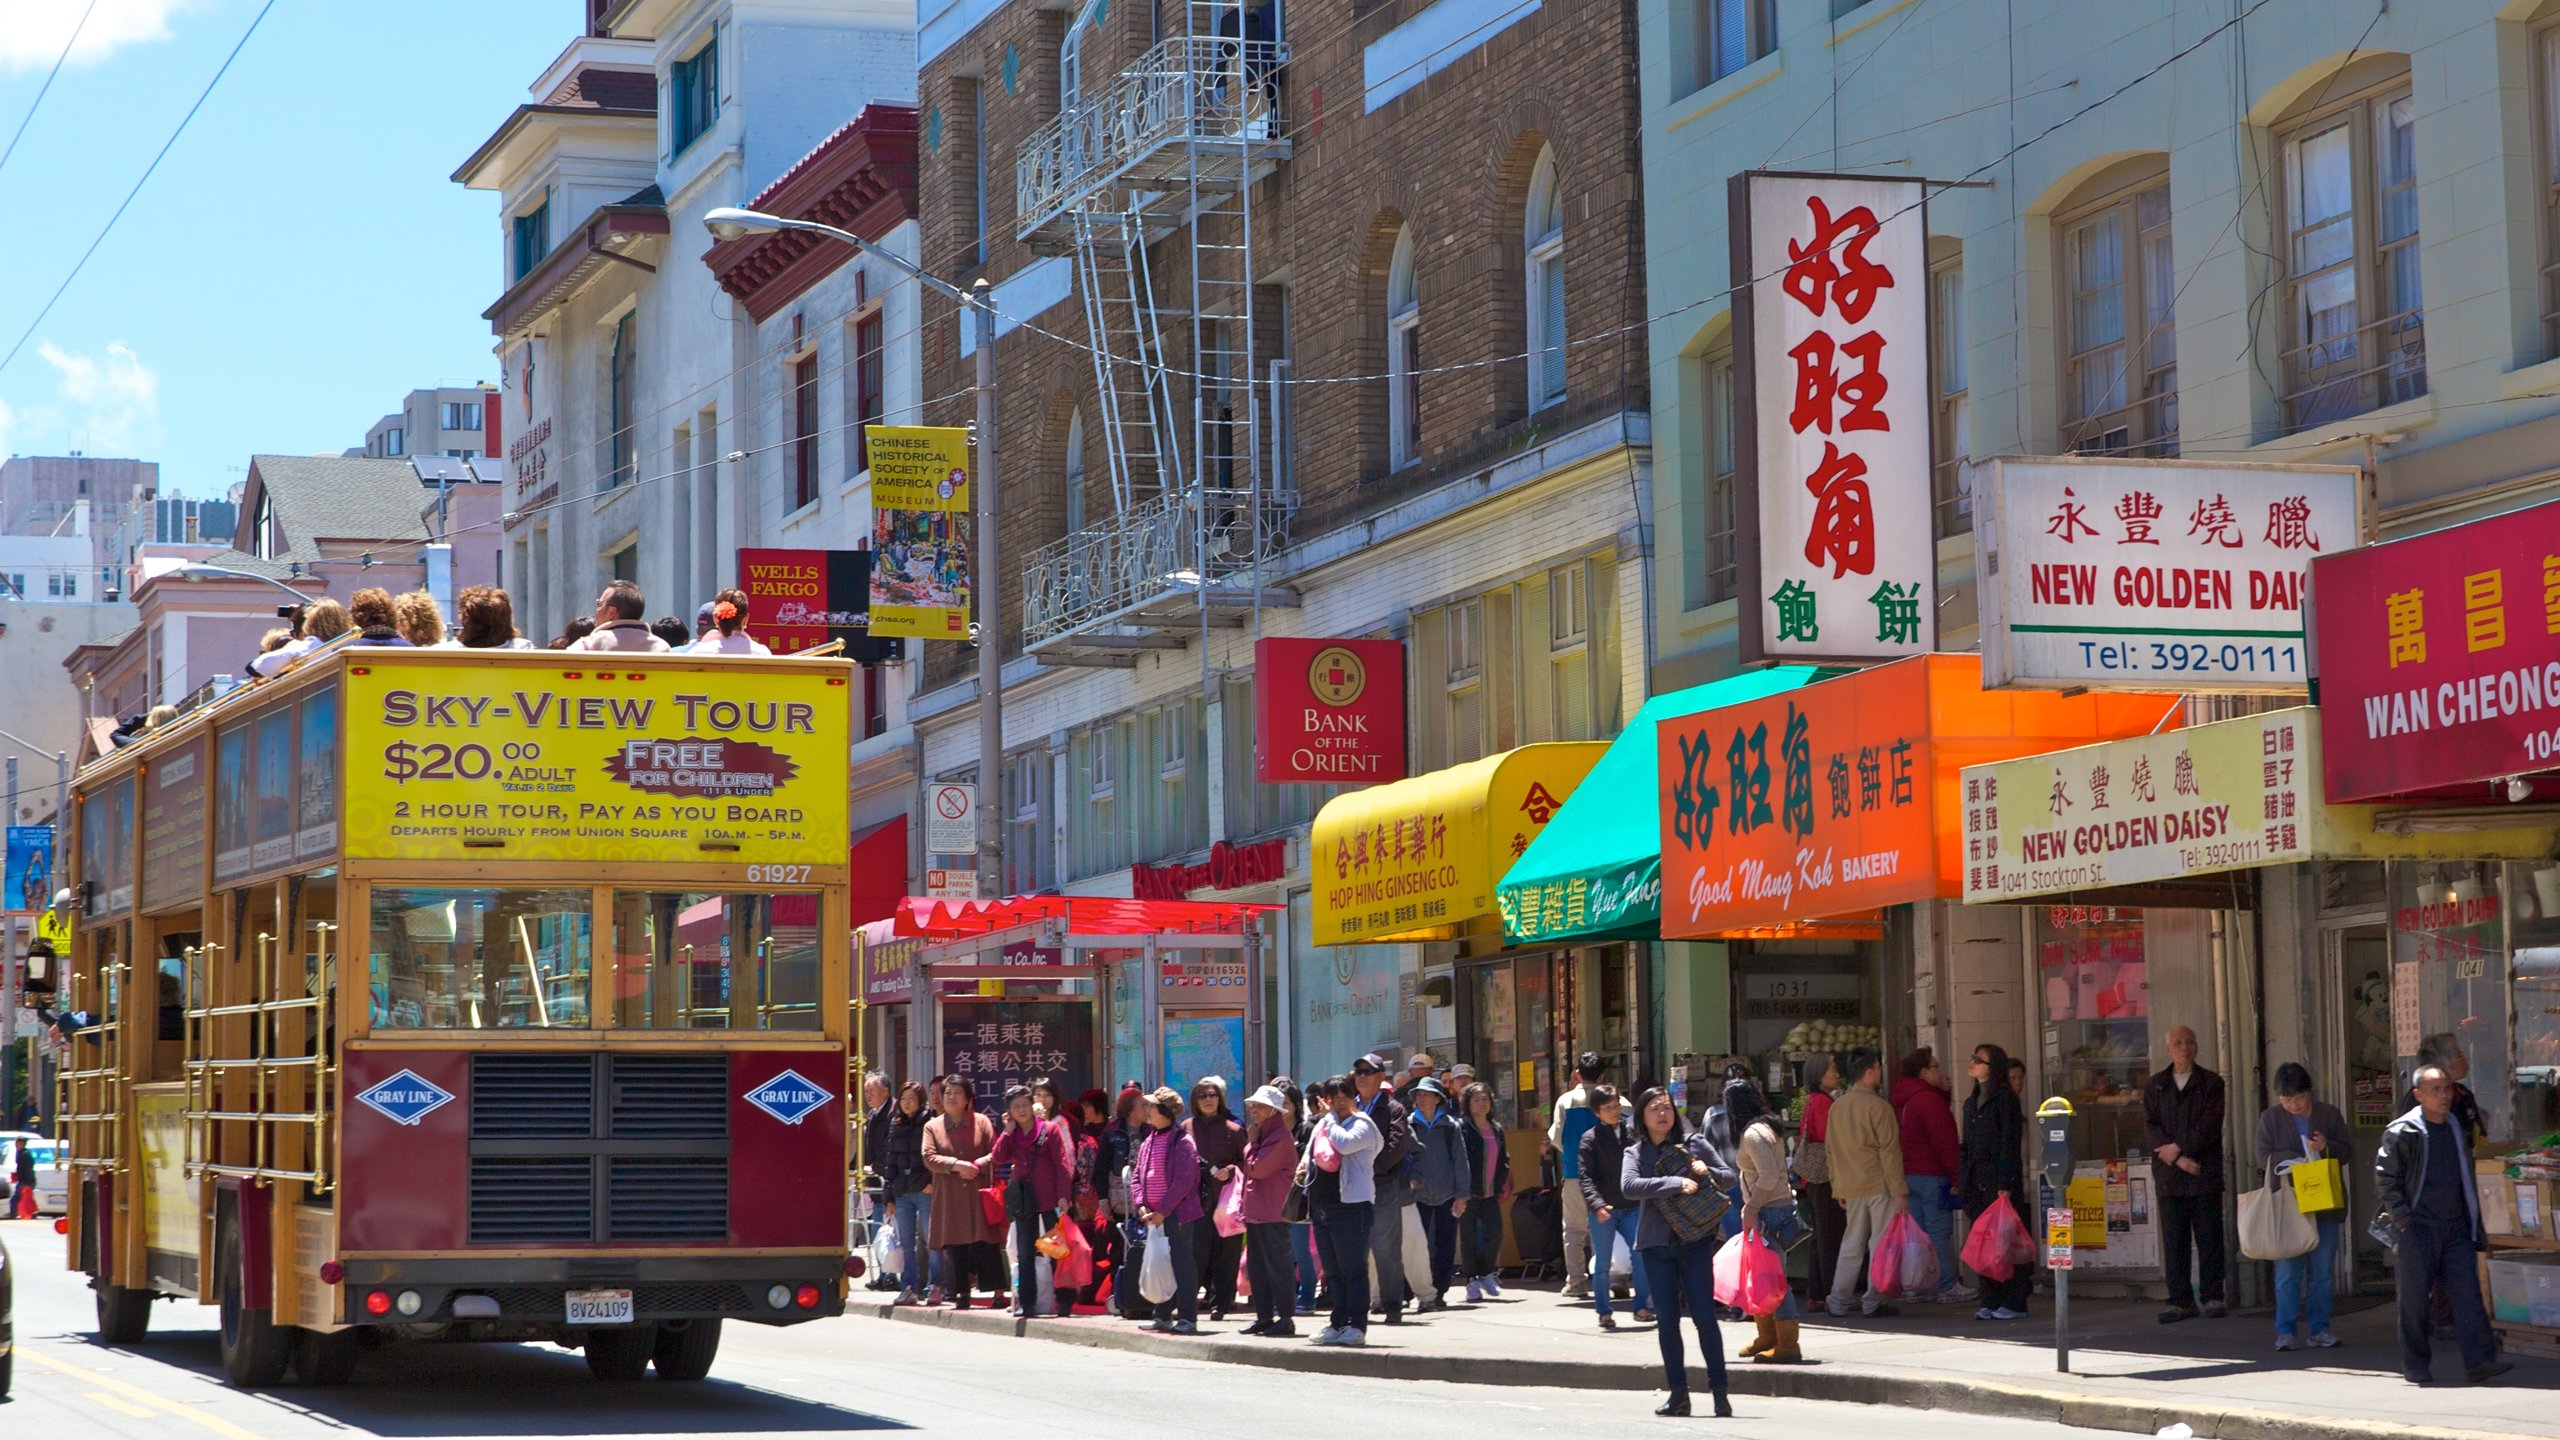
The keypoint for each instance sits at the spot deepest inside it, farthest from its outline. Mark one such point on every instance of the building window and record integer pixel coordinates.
(393, 443)
(530, 237)
(1463, 637)
(1544, 236)
(804, 430)
(2120, 342)
(1072, 471)
(1720, 565)
(618, 417)
(1569, 650)
(870, 385)
(462, 415)
(693, 90)
(1951, 461)
(62, 585)
(2355, 336)
(1404, 357)
(624, 564)
(1735, 33)
(1030, 866)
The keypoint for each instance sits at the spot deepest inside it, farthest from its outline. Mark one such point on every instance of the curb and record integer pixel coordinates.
(1833, 1381)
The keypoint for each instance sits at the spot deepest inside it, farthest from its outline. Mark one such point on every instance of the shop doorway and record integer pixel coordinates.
(2359, 964)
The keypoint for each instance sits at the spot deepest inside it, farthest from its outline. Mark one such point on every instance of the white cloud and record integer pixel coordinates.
(107, 403)
(32, 32)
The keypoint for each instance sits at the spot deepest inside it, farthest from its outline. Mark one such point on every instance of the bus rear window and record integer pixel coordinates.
(480, 959)
(693, 960)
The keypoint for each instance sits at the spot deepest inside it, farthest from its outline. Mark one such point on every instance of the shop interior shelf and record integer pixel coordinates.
(2522, 1242)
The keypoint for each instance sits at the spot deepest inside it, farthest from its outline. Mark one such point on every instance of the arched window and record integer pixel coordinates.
(1074, 470)
(1404, 356)
(1543, 235)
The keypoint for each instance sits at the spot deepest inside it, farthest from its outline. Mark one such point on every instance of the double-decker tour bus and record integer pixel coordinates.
(467, 995)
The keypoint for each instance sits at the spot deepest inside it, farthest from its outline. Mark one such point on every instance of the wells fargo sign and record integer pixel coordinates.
(530, 759)
(1328, 711)
(801, 599)
(1841, 797)
(2439, 657)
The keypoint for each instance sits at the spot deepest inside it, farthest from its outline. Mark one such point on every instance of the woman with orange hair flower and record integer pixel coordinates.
(729, 628)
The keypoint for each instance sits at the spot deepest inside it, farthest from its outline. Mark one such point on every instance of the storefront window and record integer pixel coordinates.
(1494, 1049)
(2536, 889)
(1347, 998)
(2449, 951)
(2097, 1006)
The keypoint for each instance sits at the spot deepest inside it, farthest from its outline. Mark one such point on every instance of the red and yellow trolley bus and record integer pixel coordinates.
(468, 995)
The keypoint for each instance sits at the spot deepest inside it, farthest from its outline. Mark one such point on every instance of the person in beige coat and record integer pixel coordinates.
(1866, 1177)
(957, 1144)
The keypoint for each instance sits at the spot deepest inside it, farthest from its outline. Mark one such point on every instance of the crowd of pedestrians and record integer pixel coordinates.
(1373, 1195)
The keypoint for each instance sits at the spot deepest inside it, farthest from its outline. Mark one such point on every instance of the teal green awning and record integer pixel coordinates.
(1595, 873)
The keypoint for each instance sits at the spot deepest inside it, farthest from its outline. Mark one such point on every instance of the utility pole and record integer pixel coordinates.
(990, 611)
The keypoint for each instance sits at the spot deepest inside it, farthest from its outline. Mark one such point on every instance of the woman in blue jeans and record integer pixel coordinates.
(2301, 1127)
(1613, 1213)
(1665, 1172)
(909, 1187)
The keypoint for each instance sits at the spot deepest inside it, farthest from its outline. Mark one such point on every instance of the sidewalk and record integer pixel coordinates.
(2129, 1372)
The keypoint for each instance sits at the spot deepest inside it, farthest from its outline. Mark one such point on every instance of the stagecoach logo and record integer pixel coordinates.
(406, 1098)
(789, 1097)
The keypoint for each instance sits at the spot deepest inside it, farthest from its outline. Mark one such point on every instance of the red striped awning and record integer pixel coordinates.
(932, 919)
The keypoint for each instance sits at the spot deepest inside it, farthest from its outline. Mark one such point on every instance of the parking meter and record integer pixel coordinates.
(2053, 1156)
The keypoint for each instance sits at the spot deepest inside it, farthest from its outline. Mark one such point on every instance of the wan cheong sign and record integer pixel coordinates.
(1841, 797)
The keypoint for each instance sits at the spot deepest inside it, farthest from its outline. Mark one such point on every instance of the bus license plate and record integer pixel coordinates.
(601, 1307)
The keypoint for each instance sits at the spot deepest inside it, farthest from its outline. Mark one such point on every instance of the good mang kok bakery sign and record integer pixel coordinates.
(1841, 797)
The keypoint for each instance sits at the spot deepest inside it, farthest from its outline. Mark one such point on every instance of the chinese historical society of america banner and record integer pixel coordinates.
(1831, 318)
(920, 559)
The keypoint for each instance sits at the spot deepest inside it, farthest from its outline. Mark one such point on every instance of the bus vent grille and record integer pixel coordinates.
(666, 1200)
(546, 1302)
(532, 1199)
(669, 1097)
(532, 1097)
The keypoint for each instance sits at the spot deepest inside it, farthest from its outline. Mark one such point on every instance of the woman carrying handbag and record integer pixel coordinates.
(2302, 1128)
(1672, 1173)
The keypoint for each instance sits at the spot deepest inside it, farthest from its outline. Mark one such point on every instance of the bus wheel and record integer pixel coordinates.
(621, 1354)
(325, 1359)
(685, 1351)
(254, 1348)
(123, 1315)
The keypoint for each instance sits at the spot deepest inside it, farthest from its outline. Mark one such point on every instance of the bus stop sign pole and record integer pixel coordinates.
(2053, 1149)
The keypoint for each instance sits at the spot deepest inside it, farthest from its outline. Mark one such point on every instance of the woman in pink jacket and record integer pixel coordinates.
(1270, 1169)
(1164, 1183)
(1033, 1164)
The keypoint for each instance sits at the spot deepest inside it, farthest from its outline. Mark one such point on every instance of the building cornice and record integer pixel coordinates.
(862, 179)
(608, 236)
(527, 116)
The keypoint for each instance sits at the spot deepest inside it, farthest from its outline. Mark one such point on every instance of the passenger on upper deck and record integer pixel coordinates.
(618, 623)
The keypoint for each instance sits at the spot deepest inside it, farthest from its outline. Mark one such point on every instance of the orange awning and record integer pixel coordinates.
(1844, 796)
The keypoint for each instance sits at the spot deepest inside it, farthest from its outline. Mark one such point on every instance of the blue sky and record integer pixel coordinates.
(300, 260)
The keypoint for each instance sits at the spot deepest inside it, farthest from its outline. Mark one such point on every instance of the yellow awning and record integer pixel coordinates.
(1416, 859)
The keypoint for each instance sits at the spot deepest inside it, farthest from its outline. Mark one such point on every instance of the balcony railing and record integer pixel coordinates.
(1149, 552)
(1134, 128)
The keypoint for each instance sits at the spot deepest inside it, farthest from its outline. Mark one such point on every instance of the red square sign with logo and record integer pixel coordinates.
(2438, 657)
(1328, 712)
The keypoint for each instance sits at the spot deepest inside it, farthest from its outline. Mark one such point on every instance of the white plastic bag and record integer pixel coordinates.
(1155, 1277)
(1622, 1259)
(888, 1256)
(1046, 1301)
(1417, 1257)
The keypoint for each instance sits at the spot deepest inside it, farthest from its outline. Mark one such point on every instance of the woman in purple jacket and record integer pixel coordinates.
(1164, 1183)
(1032, 1163)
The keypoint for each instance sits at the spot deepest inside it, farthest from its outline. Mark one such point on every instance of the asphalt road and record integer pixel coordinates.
(848, 1375)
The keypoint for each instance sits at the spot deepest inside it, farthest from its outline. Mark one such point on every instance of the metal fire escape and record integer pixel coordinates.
(1164, 155)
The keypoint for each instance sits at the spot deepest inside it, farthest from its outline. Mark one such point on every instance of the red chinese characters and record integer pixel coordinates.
(1840, 383)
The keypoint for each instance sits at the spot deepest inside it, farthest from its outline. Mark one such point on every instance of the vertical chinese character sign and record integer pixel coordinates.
(920, 560)
(1831, 309)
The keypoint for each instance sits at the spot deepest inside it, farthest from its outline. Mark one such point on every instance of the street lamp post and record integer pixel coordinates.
(196, 572)
(728, 223)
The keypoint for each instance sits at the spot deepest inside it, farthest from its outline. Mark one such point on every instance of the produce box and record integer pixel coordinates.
(2499, 1213)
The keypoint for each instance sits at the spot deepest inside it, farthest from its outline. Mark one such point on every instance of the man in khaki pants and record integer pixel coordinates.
(1866, 1176)
(1564, 1141)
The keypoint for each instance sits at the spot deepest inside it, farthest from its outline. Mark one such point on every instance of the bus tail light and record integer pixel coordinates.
(854, 1266)
(62, 1226)
(808, 1297)
(377, 1302)
(331, 1272)
(779, 1297)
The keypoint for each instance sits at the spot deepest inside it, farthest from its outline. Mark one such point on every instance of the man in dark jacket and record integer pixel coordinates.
(1604, 1152)
(2182, 1122)
(2424, 1189)
(876, 1104)
(1396, 1189)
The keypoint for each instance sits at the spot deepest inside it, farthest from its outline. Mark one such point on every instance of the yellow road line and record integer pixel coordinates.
(136, 1393)
(138, 1412)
